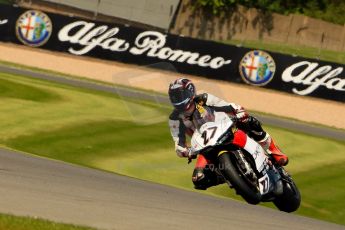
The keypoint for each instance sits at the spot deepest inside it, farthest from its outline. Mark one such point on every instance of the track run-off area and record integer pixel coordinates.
(40, 187)
(125, 92)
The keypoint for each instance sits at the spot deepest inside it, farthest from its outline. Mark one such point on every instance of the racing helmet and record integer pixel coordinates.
(181, 94)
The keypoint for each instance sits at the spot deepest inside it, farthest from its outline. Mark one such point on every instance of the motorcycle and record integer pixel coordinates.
(242, 162)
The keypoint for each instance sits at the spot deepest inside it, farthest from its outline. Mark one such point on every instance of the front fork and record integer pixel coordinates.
(269, 178)
(243, 141)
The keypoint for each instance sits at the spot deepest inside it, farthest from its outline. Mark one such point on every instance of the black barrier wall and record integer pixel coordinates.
(296, 75)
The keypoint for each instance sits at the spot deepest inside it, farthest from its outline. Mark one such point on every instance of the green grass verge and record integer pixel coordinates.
(83, 79)
(6, 2)
(130, 137)
(294, 50)
(11, 222)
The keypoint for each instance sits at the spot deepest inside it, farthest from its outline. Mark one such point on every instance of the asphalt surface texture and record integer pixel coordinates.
(124, 92)
(72, 194)
(58, 191)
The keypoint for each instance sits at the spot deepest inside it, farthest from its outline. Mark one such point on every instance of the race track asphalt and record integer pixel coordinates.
(67, 193)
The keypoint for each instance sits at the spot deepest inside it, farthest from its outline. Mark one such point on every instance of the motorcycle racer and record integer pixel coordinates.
(182, 95)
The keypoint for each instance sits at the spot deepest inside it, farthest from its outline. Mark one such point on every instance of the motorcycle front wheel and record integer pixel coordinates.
(228, 168)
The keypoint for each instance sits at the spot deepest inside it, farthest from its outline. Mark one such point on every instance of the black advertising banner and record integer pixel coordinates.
(296, 75)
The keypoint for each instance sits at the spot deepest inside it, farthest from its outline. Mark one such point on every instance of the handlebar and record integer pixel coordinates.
(191, 155)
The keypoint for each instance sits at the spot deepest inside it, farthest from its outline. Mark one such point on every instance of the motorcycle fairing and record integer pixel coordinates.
(210, 132)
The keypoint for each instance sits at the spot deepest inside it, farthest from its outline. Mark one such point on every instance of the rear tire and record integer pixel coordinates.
(290, 200)
(233, 175)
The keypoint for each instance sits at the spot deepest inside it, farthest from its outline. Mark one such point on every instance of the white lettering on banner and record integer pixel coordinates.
(4, 21)
(152, 42)
(314, 77)
(149, 43)
(86, 36)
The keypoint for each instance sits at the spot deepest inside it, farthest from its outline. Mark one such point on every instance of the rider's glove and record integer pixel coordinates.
(191, 154)
(181, 151)
(241, 114)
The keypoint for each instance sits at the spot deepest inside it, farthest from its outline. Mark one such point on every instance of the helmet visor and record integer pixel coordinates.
(181, 99)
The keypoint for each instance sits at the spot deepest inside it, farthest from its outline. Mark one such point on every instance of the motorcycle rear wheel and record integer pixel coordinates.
(290, 200)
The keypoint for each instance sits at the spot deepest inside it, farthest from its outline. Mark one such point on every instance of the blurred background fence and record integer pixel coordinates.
(155, 13)
(253, 27)
(295, 34)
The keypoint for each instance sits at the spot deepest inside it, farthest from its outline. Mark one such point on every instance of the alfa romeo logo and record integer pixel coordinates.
(3, 22)
(33, 28)
(257, 68)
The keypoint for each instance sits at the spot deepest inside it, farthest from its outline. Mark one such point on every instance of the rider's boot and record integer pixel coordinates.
(268, 144)
(205, 178)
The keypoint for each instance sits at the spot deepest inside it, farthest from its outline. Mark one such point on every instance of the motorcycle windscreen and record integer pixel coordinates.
(202, 115)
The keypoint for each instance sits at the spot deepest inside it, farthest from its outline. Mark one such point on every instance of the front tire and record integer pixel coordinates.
(233, 175)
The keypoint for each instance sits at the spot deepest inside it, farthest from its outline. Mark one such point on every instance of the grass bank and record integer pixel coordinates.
(130, 137)
(11, 222)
